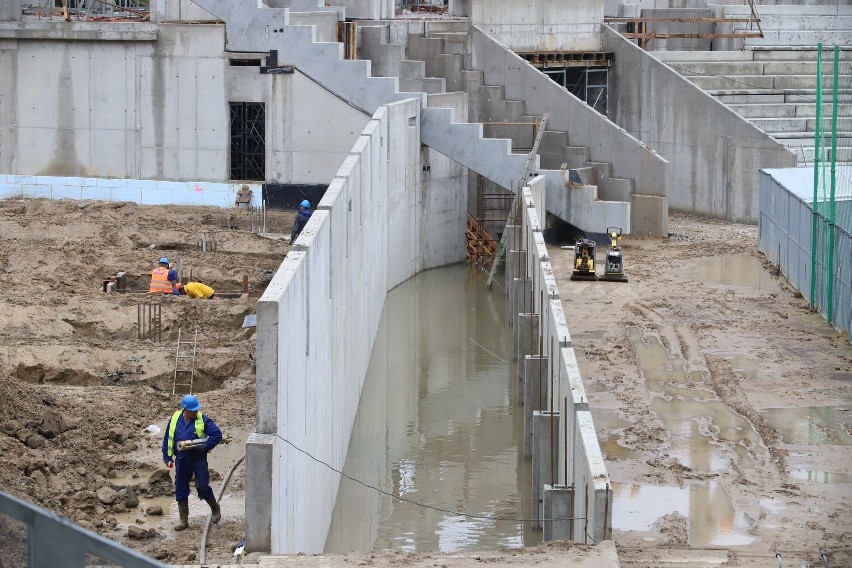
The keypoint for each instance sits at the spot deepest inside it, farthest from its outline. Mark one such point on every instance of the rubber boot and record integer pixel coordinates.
(183, 510)
(216, 514)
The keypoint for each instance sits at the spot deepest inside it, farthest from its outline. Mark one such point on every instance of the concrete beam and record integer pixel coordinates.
(78, 31)
(544, 457)
(534, 392)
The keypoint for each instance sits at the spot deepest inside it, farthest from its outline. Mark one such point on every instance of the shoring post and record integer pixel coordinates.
(245, 284)
(829, 311)
(814, 214)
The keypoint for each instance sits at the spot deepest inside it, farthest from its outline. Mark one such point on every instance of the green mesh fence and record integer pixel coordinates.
(832, 199)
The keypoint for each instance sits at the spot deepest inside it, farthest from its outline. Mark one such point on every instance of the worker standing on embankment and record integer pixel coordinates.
(185, 425)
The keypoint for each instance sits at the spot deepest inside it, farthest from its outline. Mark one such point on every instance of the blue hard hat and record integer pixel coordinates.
(163, 260)
(306, 204)
(190, 402)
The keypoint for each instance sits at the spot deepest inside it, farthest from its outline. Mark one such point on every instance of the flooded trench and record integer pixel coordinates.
(437, 426)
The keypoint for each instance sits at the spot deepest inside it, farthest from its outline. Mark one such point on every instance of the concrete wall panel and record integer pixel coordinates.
(549, 25)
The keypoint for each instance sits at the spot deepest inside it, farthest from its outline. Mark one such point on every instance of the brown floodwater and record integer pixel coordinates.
(437, 426)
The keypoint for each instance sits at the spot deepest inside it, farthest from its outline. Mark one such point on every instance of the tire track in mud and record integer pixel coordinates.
(718, 377)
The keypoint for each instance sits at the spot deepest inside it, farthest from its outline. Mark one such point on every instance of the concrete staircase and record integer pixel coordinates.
(787, 25)
(774, 88)
(595, 199)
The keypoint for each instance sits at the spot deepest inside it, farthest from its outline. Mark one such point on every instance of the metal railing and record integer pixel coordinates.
(55, 541)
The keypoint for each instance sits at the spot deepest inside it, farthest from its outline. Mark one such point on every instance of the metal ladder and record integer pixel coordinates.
(185, 364)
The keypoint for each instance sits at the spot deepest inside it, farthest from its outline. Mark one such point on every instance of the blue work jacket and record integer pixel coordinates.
(186, 431)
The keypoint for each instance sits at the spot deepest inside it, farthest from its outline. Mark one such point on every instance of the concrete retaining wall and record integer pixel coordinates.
(319, 316)
(714, 154)
(577, 455)
(159, 110)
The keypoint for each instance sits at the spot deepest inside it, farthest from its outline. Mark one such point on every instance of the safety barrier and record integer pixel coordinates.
(52, 541)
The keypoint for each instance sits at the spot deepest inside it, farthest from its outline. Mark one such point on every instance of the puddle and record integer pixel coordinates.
(712, 518)
(736, 270)
(749, 367)
(437, 424)
(816, 476)
(816, 425)
(693, 417)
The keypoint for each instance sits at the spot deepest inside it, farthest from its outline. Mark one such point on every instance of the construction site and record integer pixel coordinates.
(574, 287)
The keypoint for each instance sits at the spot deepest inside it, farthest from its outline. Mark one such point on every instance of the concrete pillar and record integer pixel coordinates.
(10, 11)
(534, 395)
(259, 453)
(558, 508)
(525, 334)
(544, 456)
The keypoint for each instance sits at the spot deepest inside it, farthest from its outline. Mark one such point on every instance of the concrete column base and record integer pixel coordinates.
(544, 456)
(534, 395)
(558, 508)
(259, 452)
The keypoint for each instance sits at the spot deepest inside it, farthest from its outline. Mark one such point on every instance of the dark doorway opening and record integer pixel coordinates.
(248, 141)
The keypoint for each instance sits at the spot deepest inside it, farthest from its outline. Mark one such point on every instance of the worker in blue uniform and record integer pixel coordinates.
(189, 423)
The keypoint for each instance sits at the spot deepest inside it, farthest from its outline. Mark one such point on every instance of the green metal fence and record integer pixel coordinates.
(832, 198)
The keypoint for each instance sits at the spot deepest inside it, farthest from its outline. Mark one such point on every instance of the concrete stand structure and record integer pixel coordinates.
(544, 432)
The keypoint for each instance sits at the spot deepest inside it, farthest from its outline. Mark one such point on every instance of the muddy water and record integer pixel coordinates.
(437, 426)
(695, 421)
(736, 270)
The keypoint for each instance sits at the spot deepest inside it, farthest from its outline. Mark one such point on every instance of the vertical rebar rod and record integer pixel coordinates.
(814, 215)
(138, 321)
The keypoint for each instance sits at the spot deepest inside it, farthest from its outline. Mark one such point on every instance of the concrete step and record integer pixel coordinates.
(615, 189)
(776, 110)
(772, 96)
(796, 139)
(777, 82)
(805, 154)
(804, 22)
(800, 37)
(703, 56)
(778, 125)
(835, 9)
(751, 67)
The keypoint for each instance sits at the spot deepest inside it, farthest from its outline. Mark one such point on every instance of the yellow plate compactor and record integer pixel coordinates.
(614, 268)
(584, 260)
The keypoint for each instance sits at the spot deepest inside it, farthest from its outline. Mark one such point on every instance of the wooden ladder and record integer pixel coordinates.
(185, 364)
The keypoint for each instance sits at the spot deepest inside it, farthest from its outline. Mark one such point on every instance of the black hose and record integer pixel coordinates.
(202, 550)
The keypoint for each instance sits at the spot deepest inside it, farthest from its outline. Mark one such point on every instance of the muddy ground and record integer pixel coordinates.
(81, 393)
(704, 338)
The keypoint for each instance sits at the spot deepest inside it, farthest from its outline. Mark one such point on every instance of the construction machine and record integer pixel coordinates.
(584, 260)
(614, 267)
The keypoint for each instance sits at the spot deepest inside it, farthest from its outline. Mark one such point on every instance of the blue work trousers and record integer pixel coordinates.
(185, 468)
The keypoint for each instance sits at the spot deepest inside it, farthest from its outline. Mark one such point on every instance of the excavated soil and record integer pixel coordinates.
(82, 394)
(80, 390)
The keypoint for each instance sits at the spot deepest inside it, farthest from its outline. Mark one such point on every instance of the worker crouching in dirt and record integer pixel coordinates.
(189, 436)
(194, 290)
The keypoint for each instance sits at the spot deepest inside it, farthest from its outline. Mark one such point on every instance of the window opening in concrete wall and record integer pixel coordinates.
(248, 141)
(585, 74)
(244, 62)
